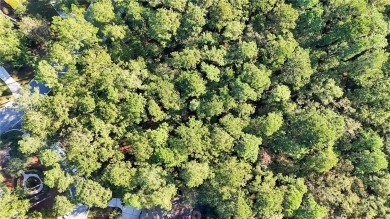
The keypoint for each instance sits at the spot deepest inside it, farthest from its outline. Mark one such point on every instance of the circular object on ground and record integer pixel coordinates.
(32, 190)
(196, 215)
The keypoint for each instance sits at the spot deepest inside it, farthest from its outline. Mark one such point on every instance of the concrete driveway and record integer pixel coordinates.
(9, 117)
(80, 212)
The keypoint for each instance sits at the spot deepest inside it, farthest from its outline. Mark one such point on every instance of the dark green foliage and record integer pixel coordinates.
(255, 109)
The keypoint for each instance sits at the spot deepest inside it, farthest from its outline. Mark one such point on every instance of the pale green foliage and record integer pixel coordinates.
(317, 129)
(281, 48)
(164, 24)
(56, 177)
(369, 140)
(230, 176)
(293, 196)
(169, 98)
(176, 4)
(12, 205)
(30, 144)
(47, 73)
(120, 174)
(222, 12)
(246, 51)
(323, 161)
(328, 91)
(233, 30)
(233, 125)
(213, 73)
(243, 209)
(115, 32)
(132, 200)
(62, 205)
(74, 32)
(251, 82)
(310, 209)
(187, 59)
(193, 137)
(92, 193)
(222, 142)
(195, 173)
(191, 84)
(102, 11)
(215, 55)
(297, 70)
(155, 111)
(11, 46)
(248, 147)
(192, 22)
(380, 184)
(371, 162)
(49, 157)
(276, 200)
(154, 189)
(284, 16)
(270, 124)
(280, 93)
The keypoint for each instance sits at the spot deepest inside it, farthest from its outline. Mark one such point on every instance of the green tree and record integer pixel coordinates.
(194, 173)
(62, 205)
(280, 93)
(163, 25)
(12, 46)
(371, 162)
(74, 32)
(248, 147)
(12, 205)
(266, 125)
(16, 166)
(49, 157)
(186, 59)
(120, 174)
(297, 70)
(322, 161)
(310, 209)
(91, 193)
(102, 11)
(56, 177)
(191, 84)
(192, 22)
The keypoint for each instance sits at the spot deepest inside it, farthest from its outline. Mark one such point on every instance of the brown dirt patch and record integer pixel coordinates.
(8, 180)
(35, 163)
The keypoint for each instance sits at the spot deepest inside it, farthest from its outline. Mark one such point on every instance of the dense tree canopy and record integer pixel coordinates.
(262, 109)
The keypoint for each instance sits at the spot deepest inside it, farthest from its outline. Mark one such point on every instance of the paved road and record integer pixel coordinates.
(9, 117)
